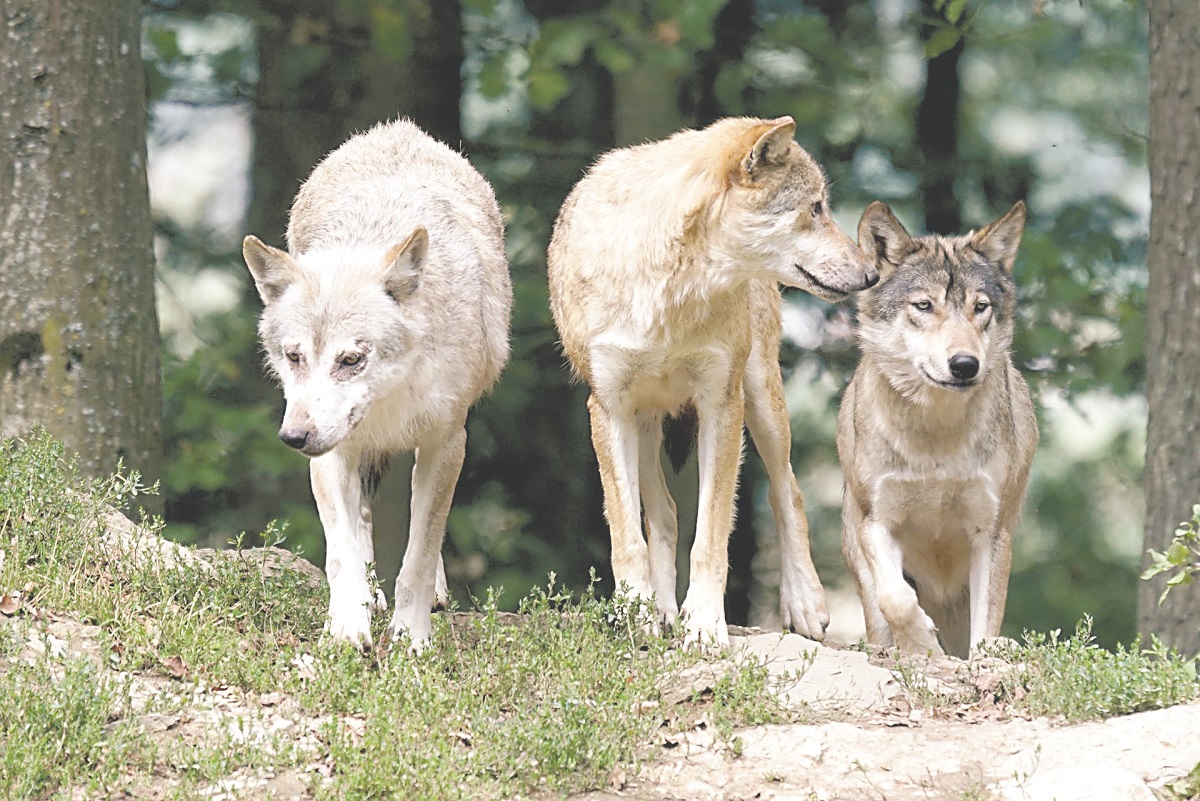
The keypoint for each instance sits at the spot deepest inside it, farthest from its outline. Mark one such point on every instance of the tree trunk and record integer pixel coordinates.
(937, 135)
(1172, 480)
(79, 342)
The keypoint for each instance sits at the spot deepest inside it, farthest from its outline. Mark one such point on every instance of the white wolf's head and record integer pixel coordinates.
(337, 331)
(775, 217)
(941, 316)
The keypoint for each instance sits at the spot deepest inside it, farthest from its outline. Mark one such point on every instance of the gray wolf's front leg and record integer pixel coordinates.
(991, 561)
(912, 629)
(438, 464)
(349, 550)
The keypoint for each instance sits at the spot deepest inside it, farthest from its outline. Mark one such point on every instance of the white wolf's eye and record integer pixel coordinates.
(350, 359)
(292, 356)
(923, 305)
(982, 306)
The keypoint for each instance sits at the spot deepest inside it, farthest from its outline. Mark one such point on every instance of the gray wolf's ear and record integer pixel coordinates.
(883, 238)
(998, 242)
(273, 269)
(403, 264)
(771, 143)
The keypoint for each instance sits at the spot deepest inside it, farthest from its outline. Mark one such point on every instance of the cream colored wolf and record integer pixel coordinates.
(663, 270)
(936, 434)
(385, 321)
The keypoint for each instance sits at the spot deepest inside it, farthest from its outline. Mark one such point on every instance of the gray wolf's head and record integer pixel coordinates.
(775, 214)
(337, 331)
(941, 317)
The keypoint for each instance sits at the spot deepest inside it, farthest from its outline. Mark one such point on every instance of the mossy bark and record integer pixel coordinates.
(79, 341)
(1172, 480)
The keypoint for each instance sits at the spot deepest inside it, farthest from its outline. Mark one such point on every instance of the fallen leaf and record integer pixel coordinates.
(175, 666)
(9, 603)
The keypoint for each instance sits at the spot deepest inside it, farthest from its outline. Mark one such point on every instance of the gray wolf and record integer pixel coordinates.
(664, 268)
(936, 433)
(385, 320)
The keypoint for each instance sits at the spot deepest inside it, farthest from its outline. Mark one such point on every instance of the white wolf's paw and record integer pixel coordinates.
(350, 623)
(803, 609)
(441, 588)
(704, 627)
(379, 602)
(411, 626)
(668, 618)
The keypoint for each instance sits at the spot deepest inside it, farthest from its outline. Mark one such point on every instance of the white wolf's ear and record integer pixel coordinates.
(998, 242)
(404, 263)
(273, 269)
(773, 139)
(883, 238)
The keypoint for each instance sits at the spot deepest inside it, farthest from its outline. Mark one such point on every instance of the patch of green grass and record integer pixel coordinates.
(1079, 680)
(56, 730)
(496, 706)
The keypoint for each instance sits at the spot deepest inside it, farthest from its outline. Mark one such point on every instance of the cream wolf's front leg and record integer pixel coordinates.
(349, 551)
(720, 455)
(615, 439)
(439, 461)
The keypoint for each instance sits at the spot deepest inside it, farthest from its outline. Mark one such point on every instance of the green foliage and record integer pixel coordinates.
(1182, 559)
(58, 729)
(1079, 680)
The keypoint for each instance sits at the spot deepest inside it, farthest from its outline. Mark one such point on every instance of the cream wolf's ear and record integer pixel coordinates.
(774, 137)
(998, 242)
(273, 269)
(403, 264)
(883, 238)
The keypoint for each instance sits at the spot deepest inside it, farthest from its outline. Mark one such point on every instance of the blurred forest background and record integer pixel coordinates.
(948, 110)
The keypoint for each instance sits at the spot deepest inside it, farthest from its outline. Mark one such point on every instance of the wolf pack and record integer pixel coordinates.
(386, 318)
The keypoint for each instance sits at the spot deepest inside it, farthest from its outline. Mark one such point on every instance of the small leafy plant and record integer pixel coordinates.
(1182, 556)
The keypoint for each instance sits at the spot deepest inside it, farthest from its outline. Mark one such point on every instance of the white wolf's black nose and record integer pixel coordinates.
(964, 367)
(293, 437)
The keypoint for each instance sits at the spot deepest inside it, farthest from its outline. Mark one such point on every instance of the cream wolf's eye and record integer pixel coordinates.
(923, 305)
(350, 359)
(818, 207)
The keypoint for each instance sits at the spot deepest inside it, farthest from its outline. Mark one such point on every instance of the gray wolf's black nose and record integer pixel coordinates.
(964, 367)
(293, 437)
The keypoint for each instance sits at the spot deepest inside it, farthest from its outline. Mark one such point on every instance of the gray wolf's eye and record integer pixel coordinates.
(923, 305)
(982, 306)
(350, 359)
(818, 207)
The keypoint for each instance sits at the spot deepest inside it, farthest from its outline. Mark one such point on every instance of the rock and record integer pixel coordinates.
(1090, 783)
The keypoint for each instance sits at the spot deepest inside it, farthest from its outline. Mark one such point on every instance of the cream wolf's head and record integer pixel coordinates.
(774, 214)
(337, 331)
(941, 317)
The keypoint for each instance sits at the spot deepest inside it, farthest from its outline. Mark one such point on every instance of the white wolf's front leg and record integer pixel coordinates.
(337, 489)
(438, 464)
(719, 452)
(662, 518)
(912, 629)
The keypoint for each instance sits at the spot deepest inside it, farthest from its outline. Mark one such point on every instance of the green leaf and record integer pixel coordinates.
(389, 32)
(1178, 553)
(613, 56)
(493, 76)
(547, 87)
(941, 41)
(954, 10)
(564, 43)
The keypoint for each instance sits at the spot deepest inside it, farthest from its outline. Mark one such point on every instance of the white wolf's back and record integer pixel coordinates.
(379, 185)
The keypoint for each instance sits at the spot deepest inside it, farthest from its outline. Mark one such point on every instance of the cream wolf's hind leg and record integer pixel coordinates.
(662, 518)
(435, 473)
(801, 597)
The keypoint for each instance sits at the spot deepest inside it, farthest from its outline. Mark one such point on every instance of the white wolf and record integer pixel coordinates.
(385, 321)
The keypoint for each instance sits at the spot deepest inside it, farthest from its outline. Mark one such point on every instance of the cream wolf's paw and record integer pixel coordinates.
(803, 610)
(920, 637)
(441, 588)
(413, 624)
(704, 628)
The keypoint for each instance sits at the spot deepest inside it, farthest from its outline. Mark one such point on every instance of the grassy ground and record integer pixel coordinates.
(201, 677)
